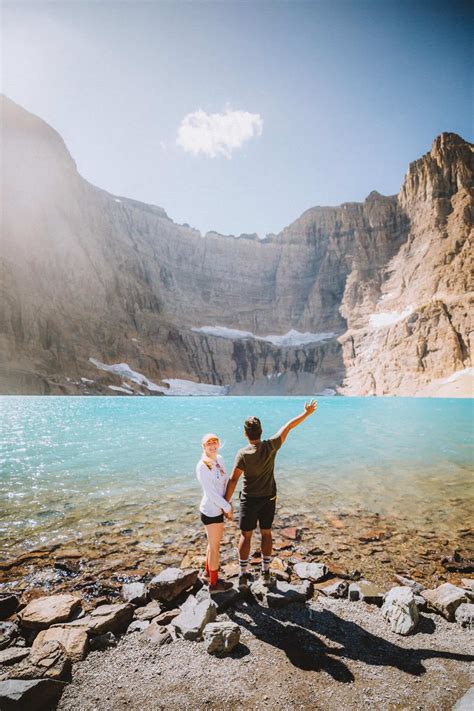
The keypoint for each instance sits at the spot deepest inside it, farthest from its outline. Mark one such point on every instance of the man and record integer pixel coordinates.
(256, 462)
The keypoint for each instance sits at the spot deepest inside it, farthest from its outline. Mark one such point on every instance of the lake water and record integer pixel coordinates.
(69, 464)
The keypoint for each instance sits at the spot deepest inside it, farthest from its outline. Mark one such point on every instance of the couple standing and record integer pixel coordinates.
(256, 462)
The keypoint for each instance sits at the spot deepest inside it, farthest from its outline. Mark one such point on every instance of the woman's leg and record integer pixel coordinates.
(214, 533)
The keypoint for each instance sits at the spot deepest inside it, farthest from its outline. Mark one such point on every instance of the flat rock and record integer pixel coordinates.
(464, 615)
(281, 594)
(311, 571)
(12, 655)
(46, 611)
(165, 618)
(445, 599)
(333, 588)
(8, 605)
(157, 634)
(366, 591)
(400, 610)
(170, 583)
(223, 600)
(191, 621)
(29, 695)
(8, 633)
(291, 532)
(138, 626)
(73, 639)
(110, 618)
(221, 637)
(135, 593)
(153, 609)
(408, 582)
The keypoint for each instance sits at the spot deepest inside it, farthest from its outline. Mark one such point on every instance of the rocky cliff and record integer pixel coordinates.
(373, 297)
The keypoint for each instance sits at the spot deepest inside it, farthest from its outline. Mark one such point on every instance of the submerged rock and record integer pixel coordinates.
(400, 610)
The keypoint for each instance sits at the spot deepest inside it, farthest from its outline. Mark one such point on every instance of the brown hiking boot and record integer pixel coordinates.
(221, 586)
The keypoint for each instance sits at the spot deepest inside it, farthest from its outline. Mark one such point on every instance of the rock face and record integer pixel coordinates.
(86, 274)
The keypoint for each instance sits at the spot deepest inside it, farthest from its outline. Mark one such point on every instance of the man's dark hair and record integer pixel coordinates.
(253, 428)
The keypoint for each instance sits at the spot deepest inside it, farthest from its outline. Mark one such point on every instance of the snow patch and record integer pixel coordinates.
(117, 200)
(124, 370)
(190, 388)
(292, 338)
(121, 390)
(458, 374)
(388, 318)
(327, 392)
(86, 380)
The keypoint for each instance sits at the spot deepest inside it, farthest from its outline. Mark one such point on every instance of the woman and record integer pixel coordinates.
(213, 479)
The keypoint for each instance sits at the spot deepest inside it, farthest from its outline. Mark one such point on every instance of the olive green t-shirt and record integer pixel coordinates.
(257, 461)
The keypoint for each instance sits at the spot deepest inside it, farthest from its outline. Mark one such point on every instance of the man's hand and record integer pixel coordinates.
(310, 407)
(230, 514)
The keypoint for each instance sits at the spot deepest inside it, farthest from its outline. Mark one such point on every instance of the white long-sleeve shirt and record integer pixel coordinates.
(213, 479)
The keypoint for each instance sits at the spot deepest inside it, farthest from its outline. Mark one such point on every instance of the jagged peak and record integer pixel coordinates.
(447, 140)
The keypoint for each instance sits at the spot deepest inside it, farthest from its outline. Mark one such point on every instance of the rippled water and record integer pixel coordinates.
(67, 464)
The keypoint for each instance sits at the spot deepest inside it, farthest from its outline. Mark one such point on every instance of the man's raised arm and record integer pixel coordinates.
(309, 408)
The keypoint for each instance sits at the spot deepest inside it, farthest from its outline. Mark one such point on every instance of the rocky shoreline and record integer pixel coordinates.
(63, 604)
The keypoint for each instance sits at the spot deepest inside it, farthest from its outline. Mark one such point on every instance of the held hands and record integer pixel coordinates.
(230, 513)
(310, 407)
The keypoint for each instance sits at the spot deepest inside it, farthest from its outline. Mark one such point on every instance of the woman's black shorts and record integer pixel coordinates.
(256, 509)
(212, 519)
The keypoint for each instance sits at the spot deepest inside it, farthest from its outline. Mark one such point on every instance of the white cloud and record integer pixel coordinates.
(217, 134)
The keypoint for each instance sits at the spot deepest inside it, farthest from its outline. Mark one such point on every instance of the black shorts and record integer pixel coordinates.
(256, 509)
(212, 519)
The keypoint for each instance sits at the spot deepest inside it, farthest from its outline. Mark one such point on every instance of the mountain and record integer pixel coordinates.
(365, 298)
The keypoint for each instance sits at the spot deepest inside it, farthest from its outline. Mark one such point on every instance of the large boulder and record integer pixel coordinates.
(221, 637)
(48, 661)
(194, 617)
(29, 694)
(365, 591)
(73, 639)
(311, 571)
(400, 610)
(136, 593)
(170, 583)
(445, 599)
(46, 611)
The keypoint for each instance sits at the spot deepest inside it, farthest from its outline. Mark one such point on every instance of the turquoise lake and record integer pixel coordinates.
(67, 464)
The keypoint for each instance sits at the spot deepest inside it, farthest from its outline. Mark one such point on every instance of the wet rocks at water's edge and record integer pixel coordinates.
(43, 636)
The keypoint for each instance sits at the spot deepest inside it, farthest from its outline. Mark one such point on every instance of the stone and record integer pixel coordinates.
(311, 571)
(467, 584)
(46, 611)
(333, 588)
(445, 599)
(110, 618)
(223, 600)
(366, 591)
(8, 633)
(281, 594)
(138, 626)
(400, 610)
(8, 605)
(135, 593)
(165, 618)
(73, 639)
(408, 582)
(466, 702)
(464, 615)
(191, 621)
(12, 655)
(103, 641)
(171, 582)
(29, 695)
(48, 660)
(420, 602)
(157, 634)
(153, 609)
(291, 532)
(221, 637)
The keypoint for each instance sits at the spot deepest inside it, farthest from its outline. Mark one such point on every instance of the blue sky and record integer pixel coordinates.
(239, 116)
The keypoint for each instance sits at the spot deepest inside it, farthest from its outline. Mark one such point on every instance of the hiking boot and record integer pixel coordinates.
(268, 579)
(245, 580)
(220, 586)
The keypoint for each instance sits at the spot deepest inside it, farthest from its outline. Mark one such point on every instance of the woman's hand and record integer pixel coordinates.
(310, 407)
(230, 513)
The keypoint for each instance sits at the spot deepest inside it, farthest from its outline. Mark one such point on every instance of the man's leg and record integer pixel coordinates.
(267, 544)
(244, 550)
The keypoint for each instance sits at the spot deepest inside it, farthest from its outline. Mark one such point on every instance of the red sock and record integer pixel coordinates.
(213, 577)
(207, 567)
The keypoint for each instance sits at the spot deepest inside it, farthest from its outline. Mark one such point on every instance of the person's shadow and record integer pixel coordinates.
(293, 630)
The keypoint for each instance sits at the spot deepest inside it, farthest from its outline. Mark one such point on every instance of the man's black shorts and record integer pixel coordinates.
(256, 509)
